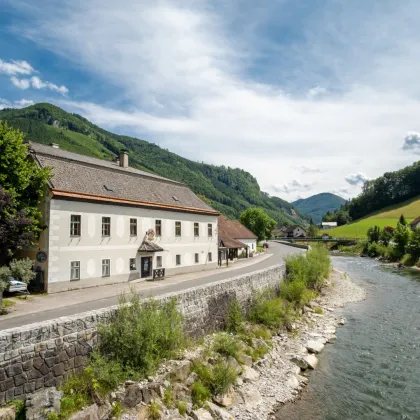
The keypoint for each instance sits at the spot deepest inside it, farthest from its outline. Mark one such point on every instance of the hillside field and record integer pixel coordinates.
(387, 217)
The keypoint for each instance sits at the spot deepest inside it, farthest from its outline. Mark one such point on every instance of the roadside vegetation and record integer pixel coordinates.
(143, 334)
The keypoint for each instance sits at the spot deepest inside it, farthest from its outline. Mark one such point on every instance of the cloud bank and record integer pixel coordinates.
(356, 179)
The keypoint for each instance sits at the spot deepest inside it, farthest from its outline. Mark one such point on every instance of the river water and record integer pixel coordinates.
(372, 372)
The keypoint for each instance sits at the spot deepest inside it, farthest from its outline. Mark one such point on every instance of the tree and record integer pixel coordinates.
(386, 236)
(373, 234)
(401, 237)
(414, 244)
(22, 186)
(312, 230)
(402, 220)
(258, 222)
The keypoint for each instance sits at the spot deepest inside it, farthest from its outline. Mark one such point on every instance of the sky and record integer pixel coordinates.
(308, 96)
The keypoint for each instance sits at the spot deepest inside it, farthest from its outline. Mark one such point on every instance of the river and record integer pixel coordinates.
(372, 372)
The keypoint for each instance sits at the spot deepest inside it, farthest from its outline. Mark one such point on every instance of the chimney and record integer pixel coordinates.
(124, 159)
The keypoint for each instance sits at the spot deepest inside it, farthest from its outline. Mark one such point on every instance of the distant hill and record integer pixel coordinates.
(317, 205)
(229, 190)
(388, 216)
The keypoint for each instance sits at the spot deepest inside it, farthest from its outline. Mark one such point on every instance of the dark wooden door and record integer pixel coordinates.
(146, 267)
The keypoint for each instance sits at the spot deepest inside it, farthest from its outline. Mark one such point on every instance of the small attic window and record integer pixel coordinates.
(109, 187)
(175, 198)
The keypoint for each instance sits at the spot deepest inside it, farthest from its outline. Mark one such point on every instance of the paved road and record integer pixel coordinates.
(92, 298)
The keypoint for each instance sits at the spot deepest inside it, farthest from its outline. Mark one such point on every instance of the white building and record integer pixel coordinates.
(295, 231)
(109, 223)
(328, 225)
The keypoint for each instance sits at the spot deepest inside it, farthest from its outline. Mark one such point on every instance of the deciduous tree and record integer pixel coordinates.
(258, 222)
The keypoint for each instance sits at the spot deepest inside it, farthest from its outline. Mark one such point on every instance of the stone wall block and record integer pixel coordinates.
(2, 398)
(13, 370)
(20, 379)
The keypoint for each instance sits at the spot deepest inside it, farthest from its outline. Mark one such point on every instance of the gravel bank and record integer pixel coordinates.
(280, 379)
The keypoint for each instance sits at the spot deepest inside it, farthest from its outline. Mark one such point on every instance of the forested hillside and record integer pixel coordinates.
(317, 205)
(228, 190)
(390, 189)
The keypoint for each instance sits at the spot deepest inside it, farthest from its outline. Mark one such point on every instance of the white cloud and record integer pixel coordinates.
(307, 170)
(292, 187)
(412, 142)
(193, 78)
(356, 179)
(21, 103)
(37, 83)
(14, 67)
(20, 83)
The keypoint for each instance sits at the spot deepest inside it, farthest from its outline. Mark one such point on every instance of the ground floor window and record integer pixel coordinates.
(197, 258)
(178, 259)
(75, 270)
(106, 268)
(159, 262)
(210, 257)
(133, 265)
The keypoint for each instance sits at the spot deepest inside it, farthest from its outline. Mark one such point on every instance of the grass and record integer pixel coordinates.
(389, 216)
(7, 303)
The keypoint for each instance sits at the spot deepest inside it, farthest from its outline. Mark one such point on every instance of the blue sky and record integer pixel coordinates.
(308, 96)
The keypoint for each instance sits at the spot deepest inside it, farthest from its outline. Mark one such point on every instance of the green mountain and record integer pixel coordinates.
(228, 190)
(317, 205)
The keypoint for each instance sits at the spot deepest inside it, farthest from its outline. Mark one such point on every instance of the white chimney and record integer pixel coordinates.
(124, 159)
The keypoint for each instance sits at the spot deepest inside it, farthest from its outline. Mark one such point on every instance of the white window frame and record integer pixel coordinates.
(133, 223)
(178, 224)
(196, 225)
(133, 268)
(104, 265)
(75, 223)
(105, 224)
(210, 257)
(158, 234)
(178, 259)
(210, 230)
(74, 268)
(158, 261)
(197, 258)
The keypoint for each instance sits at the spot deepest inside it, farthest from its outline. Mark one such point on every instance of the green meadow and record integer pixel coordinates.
(387, 217)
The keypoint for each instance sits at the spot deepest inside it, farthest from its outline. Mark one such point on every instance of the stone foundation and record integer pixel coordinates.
(44, 354)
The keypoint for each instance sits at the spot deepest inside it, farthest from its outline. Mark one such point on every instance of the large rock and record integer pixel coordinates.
(293, 382)
(181, 370)
(249, 374)
(233, 363)
(90, 413)
(311, 360)
(45, 401)
(219, 412)
(300, 362)
(229, 399)
(8, 413)
(133, 395)
(201, 414)
(247, 360)
(251, 396)
(314, 346)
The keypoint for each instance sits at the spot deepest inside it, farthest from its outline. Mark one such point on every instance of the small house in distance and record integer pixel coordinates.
(328, 225)
(235, 238)
(295, 231)
(415, 224)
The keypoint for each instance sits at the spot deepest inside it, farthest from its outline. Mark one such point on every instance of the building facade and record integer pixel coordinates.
(295, 232)
(108, 223)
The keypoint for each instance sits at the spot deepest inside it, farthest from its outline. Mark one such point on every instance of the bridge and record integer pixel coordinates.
(341, 241)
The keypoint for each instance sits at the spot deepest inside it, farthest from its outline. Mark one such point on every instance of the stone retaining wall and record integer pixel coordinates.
(44, 354)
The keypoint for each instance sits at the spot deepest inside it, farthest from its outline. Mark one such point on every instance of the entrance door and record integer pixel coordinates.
(146, 267)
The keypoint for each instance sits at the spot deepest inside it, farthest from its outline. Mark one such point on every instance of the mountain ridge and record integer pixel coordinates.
(228, 190)
(317, 205)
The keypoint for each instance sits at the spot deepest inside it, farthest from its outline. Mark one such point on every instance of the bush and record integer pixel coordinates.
(117, 410)
(182, 408)
(227, 345)
(235, 320)
(153, 411)
(297, 268)
(319, 264)
(143, 334)
(168, 397)
(295, 292)
(274, 313)
(199, 393)
(22, 270)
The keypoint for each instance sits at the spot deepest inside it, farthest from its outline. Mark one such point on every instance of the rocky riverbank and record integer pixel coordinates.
(263, 383)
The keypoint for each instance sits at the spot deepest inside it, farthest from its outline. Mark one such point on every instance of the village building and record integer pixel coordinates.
(295, 231)
(235, 239)
(108, 223)
(328, 225)
(415, 224)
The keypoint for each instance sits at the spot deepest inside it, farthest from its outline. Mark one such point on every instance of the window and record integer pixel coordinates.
(178, 259)
(75, 224)
(106, 226)
(106, 268)
(210, 229)
(177, 228)
(132, 264)
(210, 257)
(133, 227)
(196, 229)
(197, 258)
(158, 227)
(75, 270)
(158, 262)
